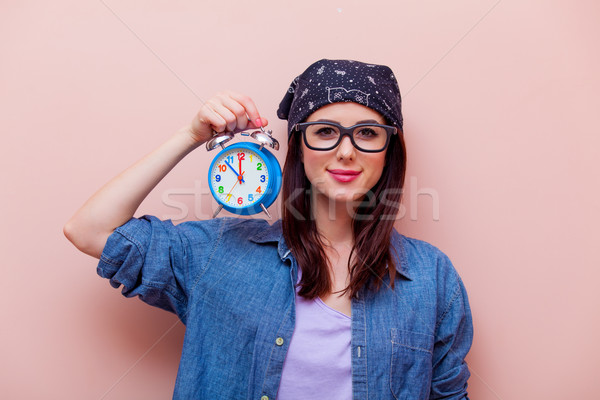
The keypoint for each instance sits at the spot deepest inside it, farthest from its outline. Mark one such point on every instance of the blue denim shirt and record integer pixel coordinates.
(231, 283)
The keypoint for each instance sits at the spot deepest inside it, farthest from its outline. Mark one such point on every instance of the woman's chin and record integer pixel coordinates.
(344, 195)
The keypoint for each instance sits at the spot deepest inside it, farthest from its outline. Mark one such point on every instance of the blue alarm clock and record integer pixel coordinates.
(244, 178)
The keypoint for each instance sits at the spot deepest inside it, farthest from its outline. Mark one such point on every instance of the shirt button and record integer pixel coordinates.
(279, 341)
(264, 398)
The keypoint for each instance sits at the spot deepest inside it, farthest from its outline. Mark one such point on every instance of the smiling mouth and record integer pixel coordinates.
(343, 175)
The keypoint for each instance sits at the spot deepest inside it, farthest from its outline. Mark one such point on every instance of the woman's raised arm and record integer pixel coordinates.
(116, 202)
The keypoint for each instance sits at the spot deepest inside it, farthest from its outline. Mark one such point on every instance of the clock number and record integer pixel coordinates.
(258, 166)
(221, 189)
(250, 157)
(218, 178)
(250, 197)
(240, 200)
(228, 197)
(241, 156)
(262, 178)
(258, 190)
(222, 167)
(230, 159)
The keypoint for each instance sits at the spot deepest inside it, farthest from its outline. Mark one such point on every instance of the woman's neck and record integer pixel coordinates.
(333, 220)
(334, 224)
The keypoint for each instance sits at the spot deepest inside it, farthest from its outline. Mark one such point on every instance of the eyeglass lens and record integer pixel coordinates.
(325, 136)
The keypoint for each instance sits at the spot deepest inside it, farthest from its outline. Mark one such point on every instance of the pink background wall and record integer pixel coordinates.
(501, 104)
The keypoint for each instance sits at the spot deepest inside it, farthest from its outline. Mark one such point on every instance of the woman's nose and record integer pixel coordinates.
(346, 149)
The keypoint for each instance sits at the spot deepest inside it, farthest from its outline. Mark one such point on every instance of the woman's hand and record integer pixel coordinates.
(225, 112)
(116, 202)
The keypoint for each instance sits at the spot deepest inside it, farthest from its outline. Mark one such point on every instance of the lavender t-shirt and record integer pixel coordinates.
(318, 361)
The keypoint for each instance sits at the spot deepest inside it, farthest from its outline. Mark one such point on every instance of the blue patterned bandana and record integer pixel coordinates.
(333, 81)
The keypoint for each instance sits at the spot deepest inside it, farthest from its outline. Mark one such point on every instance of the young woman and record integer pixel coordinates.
(331, 301)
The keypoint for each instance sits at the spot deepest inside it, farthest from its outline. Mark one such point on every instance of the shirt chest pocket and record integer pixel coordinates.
(410, 370)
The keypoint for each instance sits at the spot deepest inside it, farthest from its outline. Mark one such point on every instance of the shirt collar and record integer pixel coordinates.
(402, 261)
(273, 234)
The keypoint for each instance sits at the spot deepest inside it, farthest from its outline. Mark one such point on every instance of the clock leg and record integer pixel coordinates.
(218, 210)
(265, 210)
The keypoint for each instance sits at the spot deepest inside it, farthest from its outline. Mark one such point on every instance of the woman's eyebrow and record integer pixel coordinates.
(364, 121)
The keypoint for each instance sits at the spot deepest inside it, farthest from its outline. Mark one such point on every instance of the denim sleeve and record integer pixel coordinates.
(148, 257)
(453, 338)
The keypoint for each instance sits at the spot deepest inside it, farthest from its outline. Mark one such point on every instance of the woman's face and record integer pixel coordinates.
(343, 173)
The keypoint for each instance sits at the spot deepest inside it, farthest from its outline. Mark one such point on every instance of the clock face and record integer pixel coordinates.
(239, 177)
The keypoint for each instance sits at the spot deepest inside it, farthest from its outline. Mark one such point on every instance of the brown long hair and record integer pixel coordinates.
(372, 224)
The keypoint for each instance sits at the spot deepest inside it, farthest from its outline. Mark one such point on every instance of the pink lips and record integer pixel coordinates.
(343, 175)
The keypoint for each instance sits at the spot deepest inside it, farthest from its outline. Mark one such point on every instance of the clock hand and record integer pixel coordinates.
(233, 169)
(239, 179)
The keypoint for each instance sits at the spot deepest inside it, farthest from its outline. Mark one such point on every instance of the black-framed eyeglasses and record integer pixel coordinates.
(322, 136)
